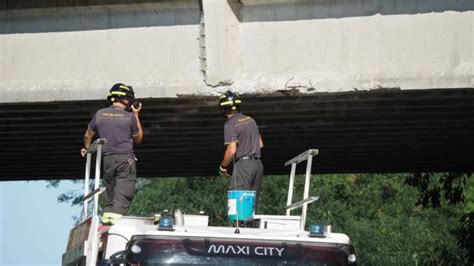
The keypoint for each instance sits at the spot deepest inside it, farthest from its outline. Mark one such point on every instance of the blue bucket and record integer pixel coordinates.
(240, 205)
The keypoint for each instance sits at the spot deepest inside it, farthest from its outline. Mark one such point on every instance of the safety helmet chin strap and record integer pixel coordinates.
(122, 101)
(127, 105)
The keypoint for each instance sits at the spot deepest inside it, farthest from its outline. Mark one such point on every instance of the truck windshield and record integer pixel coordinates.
(149, 251)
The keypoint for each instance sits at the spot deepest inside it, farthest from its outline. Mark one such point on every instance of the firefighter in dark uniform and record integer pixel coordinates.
(243, 141)
(121, 128)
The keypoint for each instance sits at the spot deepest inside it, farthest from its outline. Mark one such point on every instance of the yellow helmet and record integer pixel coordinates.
(120, 91)
(229, 102)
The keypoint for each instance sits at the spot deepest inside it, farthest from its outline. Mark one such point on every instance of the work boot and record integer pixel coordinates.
(110, 218)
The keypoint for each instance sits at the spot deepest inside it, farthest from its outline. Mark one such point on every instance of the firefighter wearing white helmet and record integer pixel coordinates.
(120, 125)
(243, 143)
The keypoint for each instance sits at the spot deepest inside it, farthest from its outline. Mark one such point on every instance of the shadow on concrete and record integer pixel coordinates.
(43, 16)
(385, 130)
(28, 4)
(84, 18)
(273, 10)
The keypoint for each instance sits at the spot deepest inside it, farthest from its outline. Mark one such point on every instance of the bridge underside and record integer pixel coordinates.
(361, 131)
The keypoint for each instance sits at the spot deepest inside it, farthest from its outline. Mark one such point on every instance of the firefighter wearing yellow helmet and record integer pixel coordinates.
(243, 143)
(120, 125)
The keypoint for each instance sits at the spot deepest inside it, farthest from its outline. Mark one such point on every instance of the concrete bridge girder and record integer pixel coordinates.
(170, 48)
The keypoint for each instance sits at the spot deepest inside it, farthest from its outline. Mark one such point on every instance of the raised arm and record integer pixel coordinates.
(138, 137)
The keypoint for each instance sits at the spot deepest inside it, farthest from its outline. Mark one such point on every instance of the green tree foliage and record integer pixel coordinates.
(454, 188)
(381, 213)
(434, 187)
(191, 195)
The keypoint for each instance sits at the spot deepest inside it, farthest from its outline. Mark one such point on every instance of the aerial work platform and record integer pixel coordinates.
(177, 238)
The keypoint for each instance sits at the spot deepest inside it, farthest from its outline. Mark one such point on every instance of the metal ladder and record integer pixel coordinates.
(305, 156)
(92, 243)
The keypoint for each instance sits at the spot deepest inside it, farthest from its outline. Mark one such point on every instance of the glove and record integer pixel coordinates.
(223, 171)
(84, 152)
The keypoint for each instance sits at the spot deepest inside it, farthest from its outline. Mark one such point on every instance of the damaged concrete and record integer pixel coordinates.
(170, 48)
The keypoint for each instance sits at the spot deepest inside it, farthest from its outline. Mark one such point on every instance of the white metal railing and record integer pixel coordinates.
(92, 243)
(305, 156)
(96, 146)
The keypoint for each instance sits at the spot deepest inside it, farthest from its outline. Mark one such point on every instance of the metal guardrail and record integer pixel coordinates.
(92, 241)
(96, 146)
(305, 156)
(93, 193)
(300, 203)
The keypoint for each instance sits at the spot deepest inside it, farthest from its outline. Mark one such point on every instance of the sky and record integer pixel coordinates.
(34, 227)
